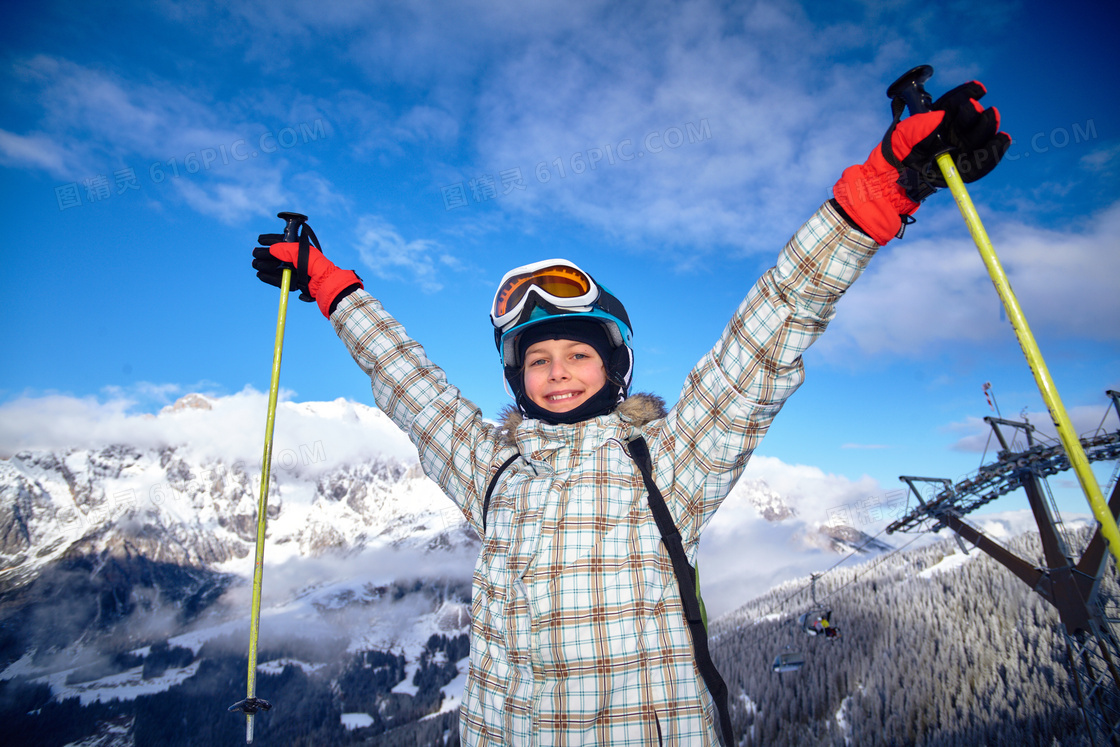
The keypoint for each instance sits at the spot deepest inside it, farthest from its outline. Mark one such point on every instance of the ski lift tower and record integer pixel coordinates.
(1073, 588)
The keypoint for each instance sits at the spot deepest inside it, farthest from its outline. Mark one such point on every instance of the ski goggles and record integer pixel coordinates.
(557, 282)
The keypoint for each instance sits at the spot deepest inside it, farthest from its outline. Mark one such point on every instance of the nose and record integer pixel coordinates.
(557, 371)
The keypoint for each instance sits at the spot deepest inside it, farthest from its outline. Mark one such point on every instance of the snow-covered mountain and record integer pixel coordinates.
(173, 508)
(126, 561)
(107, 551)
(178, 503)
(182, 488)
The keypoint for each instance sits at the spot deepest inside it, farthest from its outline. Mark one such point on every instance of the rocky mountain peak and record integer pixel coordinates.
(193, 401)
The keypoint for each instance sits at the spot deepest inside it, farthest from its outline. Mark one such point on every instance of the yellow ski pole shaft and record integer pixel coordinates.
(262, 505)
(251, 704)
(908, 92)
(1069, 438)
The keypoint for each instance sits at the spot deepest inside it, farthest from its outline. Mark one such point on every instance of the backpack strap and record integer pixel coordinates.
(671, 537)
(490, 487)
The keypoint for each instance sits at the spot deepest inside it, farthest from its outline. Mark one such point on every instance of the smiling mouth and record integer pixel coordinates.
(562, 397)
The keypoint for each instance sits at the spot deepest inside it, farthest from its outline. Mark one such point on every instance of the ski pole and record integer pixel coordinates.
(252, 704)
(909, 89)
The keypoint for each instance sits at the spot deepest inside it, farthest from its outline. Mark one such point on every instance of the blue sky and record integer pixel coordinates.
(668, 148)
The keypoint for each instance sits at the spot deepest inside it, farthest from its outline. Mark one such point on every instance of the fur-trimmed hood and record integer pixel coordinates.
(638, 409)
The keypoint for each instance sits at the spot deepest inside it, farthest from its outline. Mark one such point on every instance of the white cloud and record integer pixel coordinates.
(38, 151)
(323, 435)
(1102, 159)
(112, 115)
(920, 294)
(429, 123)
(219, 160)
(388, 255)
(316, 435)
(737, 119)
(231, 203)
(780, 112)
(811, 490)
(742, 555)
(516, 86)
(421, 44)
(978, 435)
(767, 113)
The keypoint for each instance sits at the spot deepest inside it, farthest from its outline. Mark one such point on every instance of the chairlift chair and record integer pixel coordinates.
(818, 622)
(788, 661)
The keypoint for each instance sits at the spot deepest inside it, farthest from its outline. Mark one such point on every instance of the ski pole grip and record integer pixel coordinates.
(292, 223)
(910, 91)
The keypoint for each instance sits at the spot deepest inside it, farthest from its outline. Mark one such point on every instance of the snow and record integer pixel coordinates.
(356, 720)
(405, 686)
(276, 666)
(453, 690)
(113, 733)
(948, 563)
(842, 714)
(21, 667)
(126, 685)
(749, 705)
(1004, 525)
(195, 639)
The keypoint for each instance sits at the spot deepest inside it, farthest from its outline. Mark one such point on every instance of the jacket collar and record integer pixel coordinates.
(638, 410)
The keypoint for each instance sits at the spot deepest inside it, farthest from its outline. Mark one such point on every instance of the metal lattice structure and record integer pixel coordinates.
(1000, 478)
(1087, 611)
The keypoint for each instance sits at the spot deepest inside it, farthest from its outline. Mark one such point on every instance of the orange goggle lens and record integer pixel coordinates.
(557, 281)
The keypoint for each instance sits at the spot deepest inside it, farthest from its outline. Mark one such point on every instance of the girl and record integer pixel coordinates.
(580, 631)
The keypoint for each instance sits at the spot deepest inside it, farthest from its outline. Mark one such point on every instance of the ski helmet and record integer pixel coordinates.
(556, 291)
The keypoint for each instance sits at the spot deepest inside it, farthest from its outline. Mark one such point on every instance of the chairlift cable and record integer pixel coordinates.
(802, 588)
(1100, 425)
(880, 561)
(987, 443)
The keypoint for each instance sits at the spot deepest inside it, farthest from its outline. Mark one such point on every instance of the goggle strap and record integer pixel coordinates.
(611, 305)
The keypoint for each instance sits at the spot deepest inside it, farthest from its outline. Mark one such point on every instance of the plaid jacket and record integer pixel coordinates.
(577, 633)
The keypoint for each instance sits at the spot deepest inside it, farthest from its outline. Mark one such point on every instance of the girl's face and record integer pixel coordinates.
(560, 375)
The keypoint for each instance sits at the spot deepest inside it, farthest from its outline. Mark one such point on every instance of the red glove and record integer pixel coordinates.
(901, 171)
(314, 274)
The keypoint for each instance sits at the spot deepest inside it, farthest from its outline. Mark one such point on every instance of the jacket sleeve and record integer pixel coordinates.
(457, 447)
(732, 395)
